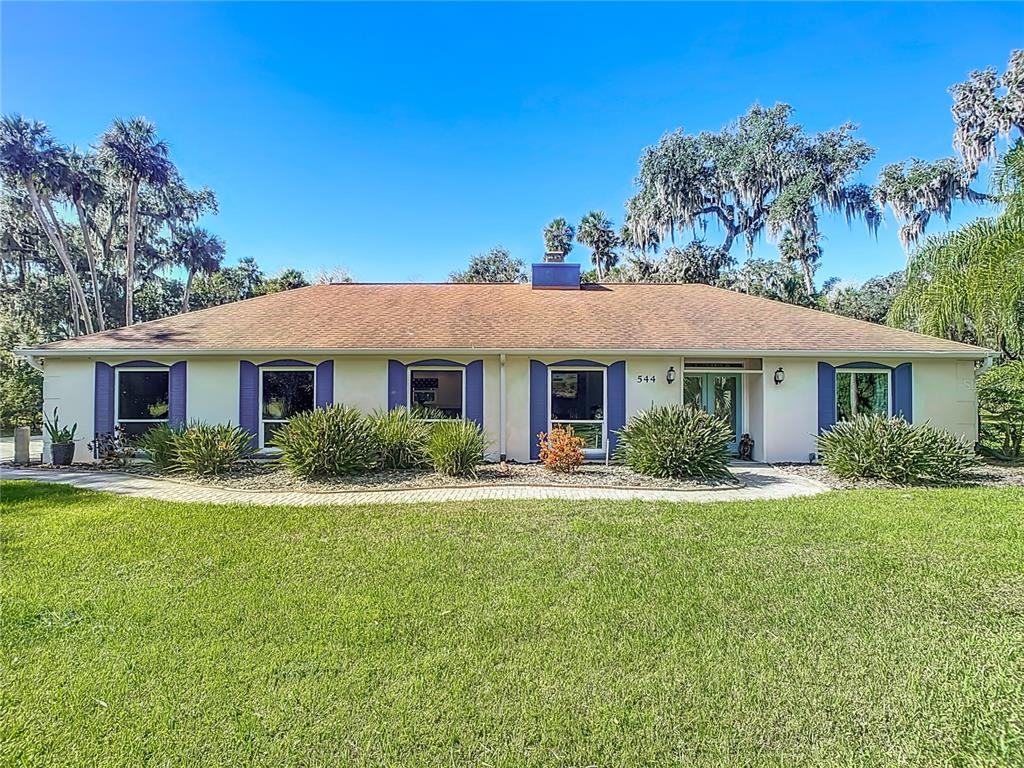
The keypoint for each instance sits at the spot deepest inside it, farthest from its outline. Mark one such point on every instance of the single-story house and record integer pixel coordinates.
(516, 359)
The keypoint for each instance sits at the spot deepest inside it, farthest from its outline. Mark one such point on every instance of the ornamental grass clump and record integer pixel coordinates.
(158, 443)
(401, 437)
(676, 441)
(561, 450)
(889, 448)
(209, 449)
(456, 447)
(327, 442)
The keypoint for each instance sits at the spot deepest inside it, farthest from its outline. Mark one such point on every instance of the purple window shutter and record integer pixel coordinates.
(538, 405)
(826, 397)
(177, 383)
(396, 385)
(325, 384)
(616, 403)
(903, 392)
(103, 410)
(475, 392)
(248, 400)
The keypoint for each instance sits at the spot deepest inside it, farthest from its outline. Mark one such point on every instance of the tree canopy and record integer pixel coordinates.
(762, 174)
(495, 266)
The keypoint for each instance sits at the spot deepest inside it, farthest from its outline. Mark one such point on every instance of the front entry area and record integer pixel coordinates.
(719, 394)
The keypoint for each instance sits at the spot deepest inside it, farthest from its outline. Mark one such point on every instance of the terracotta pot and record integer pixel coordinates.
(62, 453)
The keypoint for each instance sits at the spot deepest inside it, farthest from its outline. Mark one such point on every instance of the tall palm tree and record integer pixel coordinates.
(133, 153)
(969, 284)
(597, 233)
(83, 186)
(198, 251)
(30, 157)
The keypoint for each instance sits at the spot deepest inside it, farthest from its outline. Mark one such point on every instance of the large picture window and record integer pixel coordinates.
(578, 401)
(440, 390)
(142, 399)
(284, 392)
(861, 393)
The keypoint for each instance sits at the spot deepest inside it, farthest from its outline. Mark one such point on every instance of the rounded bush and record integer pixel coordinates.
(209, 449)
(327, 442)
(400, 437)
(676, 441)
(888, 448)
(456, 447)
(561, 450)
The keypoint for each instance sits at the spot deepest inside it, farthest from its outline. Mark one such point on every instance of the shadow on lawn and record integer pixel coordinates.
(26, 493)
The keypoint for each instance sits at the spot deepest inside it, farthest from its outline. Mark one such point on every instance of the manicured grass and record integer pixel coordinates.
(855, 628)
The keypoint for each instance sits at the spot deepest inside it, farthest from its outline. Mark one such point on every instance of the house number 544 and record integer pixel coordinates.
(646, 379)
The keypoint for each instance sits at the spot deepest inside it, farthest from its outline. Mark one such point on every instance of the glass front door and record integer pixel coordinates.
(717, 393)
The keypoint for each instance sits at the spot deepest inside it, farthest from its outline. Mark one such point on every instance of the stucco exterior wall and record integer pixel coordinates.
(945, 395)
(211, 393)
(361, 382)
(790, 409)
(782, 419)
(68, 386)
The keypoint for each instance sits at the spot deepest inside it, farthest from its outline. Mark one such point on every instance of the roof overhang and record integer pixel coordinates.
(975, 353)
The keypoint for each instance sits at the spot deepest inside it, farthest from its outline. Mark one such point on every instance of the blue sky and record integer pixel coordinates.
(398, 140)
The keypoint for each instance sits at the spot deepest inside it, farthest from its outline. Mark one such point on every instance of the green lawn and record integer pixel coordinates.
(866, 628)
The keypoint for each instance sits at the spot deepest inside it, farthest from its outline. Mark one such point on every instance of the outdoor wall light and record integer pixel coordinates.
(670, 374)
(780, 376)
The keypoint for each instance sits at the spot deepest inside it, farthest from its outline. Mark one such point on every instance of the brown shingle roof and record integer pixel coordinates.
(685, 318)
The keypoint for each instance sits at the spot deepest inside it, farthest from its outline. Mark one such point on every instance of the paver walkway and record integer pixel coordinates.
(759, 483)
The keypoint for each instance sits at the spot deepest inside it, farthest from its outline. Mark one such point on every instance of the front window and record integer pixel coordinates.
(861, 393)
(142, 399)
(577, 401)
(440, 391)
(283, 394)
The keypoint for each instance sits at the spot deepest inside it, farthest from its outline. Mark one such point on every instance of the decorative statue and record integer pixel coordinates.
(746, 447)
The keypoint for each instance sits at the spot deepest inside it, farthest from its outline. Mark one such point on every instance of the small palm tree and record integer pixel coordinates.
(801, 248)
(558, 237)
(135, 155)
(198, 251)
(597, 233)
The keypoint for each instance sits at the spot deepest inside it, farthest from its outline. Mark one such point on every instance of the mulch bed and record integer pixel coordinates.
(270, 476)
(990, 475)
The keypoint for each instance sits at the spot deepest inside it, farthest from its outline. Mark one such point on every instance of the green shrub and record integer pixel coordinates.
(456, 447)
(158, 442)
(209, 449)
(401, 437)
(888, 448)
(327, 442)
(676, 441)
(1001, 397)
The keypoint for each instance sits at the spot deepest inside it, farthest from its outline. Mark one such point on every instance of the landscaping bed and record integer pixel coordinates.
(272, 476)
(991, 475)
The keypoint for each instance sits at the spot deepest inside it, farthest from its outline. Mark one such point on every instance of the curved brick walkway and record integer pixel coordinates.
(759, 483)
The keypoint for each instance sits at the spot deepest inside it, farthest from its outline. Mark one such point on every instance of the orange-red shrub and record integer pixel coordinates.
(562, 450)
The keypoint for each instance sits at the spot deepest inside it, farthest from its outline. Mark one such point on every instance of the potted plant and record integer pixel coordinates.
(62, 441)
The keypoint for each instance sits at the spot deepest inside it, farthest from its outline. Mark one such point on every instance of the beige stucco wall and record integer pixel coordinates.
(211, 390)
(945, 395)
(68, 386)
(790, 409)
(782, 419)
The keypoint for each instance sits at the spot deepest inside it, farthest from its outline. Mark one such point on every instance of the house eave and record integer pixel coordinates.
(33, 354)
